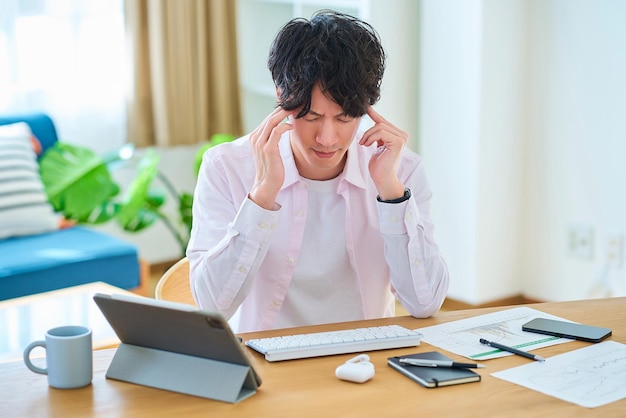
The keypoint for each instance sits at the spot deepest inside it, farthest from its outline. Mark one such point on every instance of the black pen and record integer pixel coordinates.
(512, 350)
(440, 363)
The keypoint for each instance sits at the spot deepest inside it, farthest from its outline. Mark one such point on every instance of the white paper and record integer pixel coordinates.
(591, 376)
(504, 327)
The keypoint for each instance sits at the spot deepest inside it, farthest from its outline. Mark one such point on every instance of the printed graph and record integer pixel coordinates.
(591, 376)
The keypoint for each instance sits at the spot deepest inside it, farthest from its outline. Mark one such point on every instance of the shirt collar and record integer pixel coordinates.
(352, 172)
(291, 172)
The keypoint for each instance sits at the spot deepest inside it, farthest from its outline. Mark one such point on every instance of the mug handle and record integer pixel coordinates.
(27, 361)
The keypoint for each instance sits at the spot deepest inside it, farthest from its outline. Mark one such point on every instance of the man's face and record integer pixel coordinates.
(320, 139)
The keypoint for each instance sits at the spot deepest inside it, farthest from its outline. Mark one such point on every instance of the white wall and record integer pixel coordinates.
(449, 130)
(399, 35)
(577, 143)
(501, 145)
(522, 126)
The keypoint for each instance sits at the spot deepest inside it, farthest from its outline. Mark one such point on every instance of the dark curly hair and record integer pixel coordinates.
(340, 52)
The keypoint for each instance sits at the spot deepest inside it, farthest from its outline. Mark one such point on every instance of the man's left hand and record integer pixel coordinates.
(383, 165)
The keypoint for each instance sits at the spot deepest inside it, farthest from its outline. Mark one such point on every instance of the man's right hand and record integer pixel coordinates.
(270, 171)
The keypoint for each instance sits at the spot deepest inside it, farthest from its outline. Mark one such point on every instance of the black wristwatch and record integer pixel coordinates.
(406, 196)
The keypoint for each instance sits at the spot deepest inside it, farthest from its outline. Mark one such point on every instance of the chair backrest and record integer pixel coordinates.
(174, 284)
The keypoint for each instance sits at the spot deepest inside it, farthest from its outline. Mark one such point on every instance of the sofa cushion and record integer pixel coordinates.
(69, 257)
(40, 124)
(24, 206)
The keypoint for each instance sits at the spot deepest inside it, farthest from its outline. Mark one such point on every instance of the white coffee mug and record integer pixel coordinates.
(69, 357)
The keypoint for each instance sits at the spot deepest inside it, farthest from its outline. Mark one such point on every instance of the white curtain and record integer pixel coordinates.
(66, 58)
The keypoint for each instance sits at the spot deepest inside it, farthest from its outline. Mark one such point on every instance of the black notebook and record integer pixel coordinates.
(432, 377)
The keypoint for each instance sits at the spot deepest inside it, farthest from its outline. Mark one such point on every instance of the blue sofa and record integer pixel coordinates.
(68, 257)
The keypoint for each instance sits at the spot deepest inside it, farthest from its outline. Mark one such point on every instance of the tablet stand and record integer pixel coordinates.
(182, 373)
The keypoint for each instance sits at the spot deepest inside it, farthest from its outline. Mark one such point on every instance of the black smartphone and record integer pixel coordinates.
(567, 330)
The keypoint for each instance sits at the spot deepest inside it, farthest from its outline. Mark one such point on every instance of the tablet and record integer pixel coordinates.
(156, 326)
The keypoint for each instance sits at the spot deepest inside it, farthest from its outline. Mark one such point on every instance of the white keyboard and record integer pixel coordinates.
(335, 342)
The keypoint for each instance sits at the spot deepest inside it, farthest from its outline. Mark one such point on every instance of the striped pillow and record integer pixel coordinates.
(24, 206)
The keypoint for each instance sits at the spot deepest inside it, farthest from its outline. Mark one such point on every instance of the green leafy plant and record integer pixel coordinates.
(79, 185)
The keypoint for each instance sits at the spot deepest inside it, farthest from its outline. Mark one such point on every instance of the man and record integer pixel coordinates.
(307, 219)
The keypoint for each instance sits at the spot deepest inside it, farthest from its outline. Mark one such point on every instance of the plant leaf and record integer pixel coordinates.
(132, 214)
(142, 219)
(155, 198)
(104, 213)
(185, 205)
(76, 180)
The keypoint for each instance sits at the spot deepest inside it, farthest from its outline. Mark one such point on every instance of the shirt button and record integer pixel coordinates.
(242, 269)
(393, 218)
(276, 302)
(291, 261)
(262, 225)
(417, 262)
(302, 186)
(300, 213)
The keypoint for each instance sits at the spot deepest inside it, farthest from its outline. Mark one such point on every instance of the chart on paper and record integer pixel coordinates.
(591, 376)
(505, 327)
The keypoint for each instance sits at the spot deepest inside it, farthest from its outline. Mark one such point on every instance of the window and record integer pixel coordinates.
(66, 58)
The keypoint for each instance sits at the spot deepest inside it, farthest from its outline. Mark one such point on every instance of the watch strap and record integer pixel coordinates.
(405, 197)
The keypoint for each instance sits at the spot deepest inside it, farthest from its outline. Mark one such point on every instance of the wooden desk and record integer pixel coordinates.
(303, 388)
(27, 318)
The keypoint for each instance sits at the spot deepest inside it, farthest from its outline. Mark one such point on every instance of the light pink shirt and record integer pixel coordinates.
(243, 256)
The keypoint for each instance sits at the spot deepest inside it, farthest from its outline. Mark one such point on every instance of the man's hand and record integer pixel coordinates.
(270, 172)
(383, 165)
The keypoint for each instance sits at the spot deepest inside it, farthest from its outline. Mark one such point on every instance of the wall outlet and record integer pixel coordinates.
(580, 242)
(615, 250)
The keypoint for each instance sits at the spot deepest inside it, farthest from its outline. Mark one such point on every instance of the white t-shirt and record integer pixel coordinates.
(323, 276)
